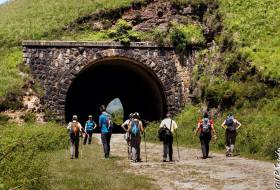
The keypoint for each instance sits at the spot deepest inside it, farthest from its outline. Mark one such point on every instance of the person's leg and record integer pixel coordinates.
(85, 139)
(165, 149)
(227, 142)
(207, 141)
(138, 149)
(232, 143)
(77, 140)
(133, 149)
(72, 145)
(104, 143)
(89, 137)
(108, 136)
(170, 148)
(203, 146)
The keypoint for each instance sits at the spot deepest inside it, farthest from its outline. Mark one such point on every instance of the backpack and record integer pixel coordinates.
(206, 125)
(135, 130)
(230, 124)
(74, 129)
(164, 132)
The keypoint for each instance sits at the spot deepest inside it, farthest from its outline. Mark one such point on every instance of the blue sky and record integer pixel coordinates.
(2, 1)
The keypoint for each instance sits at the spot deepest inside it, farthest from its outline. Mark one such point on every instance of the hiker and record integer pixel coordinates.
(135, 128)
(127, 134)
(205, 128)
(231, 125)
(167, 129)
(75, 129)
(106, 126)
(89, 127)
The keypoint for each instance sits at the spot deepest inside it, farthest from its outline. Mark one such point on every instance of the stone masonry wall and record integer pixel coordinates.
(56, 65)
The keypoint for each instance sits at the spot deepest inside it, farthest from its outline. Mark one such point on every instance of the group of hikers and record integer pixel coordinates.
(133, 127)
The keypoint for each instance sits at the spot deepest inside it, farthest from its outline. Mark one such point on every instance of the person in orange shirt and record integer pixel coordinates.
(205, 129)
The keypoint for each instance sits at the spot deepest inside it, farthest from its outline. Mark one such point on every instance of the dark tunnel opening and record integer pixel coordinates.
(138, 89)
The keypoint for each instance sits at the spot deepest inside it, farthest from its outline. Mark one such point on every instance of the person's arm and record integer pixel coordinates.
(238, 123)
(174, 126)
(223, 125)
(141, 127)
(125, 123)
(197, 129)
(94, 125)
(69, 125)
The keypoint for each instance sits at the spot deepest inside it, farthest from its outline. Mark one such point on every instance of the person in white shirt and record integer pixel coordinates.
(75, 129)
(170, 127)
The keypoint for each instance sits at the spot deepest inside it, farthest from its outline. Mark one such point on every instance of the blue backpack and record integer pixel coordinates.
(135, 130)
(230, 124)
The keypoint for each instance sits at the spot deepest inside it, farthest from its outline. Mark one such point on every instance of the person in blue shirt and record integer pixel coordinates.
(106, 126)
(89, 127)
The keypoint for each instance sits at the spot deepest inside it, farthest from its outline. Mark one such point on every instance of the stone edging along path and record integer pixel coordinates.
(217, 172)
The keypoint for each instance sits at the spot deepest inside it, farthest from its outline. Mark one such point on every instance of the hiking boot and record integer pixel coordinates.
(164, 160)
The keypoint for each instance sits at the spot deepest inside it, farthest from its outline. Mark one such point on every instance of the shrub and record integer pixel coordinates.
(182, 36)
(12, 100)
(22, 154)
(123, 33)
(29, 117)
(4, 119)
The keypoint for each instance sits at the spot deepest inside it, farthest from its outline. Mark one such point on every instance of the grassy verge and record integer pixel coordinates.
(257, 138)
(23, 151)
(92, 171)
(255, 26)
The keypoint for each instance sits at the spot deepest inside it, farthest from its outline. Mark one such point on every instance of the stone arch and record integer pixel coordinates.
(145, 74)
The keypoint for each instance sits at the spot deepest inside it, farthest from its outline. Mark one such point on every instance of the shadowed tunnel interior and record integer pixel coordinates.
(136, 86)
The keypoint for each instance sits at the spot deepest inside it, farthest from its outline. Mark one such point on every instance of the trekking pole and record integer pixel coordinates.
(177, 145)
(145, 146)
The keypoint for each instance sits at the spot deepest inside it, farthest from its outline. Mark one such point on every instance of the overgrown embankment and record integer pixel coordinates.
(23, 153)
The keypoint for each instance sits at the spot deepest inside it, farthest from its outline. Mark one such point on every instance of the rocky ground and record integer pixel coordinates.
(191, 172)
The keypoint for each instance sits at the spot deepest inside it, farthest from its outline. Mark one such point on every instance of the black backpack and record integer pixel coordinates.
(164, 132)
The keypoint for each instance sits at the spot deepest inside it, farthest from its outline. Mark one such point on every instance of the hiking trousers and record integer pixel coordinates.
(88, 136)
(205, 139)
(167, 147)
(135, 142)
(230, 137)
(74, 148)
(106, 138)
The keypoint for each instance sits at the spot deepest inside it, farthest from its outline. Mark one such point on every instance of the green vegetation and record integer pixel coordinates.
(183, 36)
(123, 33)
(117, 116)
(255, 26)
(92, 171)
(23, 150)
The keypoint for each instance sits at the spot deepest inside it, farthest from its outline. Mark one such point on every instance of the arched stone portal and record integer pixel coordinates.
(134, 84)
(80, 76)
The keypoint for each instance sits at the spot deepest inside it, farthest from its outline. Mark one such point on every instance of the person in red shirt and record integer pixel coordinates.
(205, 129)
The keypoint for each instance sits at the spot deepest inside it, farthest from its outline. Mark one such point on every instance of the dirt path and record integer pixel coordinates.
(191, 172)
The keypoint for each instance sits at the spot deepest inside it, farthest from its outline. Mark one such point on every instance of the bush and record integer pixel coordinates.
(123, 33)
(22, 154)
(4, 119)
(12, 100)
(182, 36)
(29, 117)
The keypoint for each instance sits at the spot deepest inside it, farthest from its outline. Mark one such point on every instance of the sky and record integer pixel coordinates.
(3, 1)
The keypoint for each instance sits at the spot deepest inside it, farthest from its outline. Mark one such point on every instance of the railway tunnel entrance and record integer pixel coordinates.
(137, 87)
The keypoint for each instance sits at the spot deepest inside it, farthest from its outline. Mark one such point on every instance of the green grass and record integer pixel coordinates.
(255, 25)
(31, 19)
(9, 73)
(92, 171)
